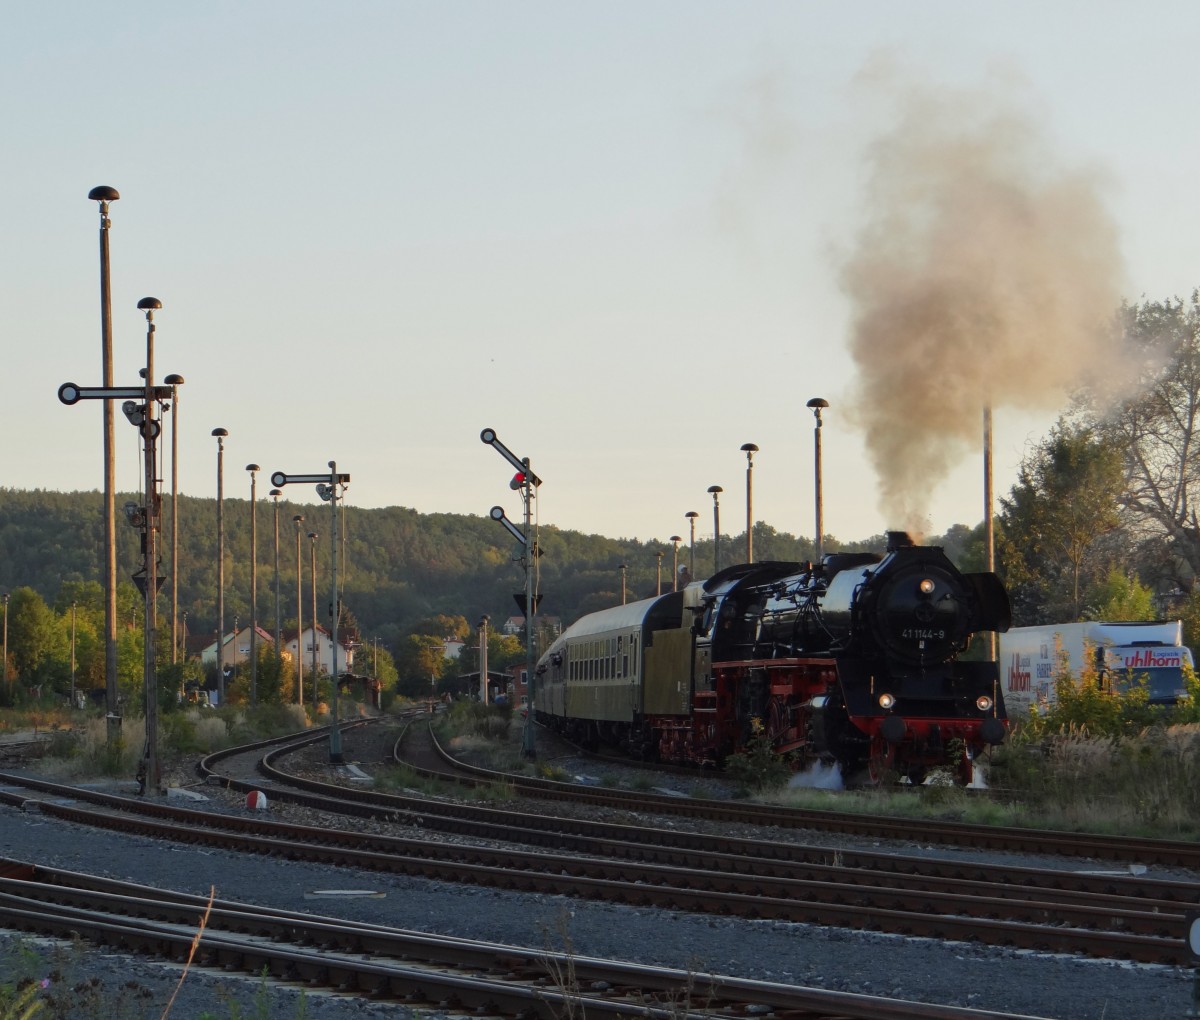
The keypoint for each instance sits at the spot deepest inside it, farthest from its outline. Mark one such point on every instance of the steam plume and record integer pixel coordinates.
(983, 276)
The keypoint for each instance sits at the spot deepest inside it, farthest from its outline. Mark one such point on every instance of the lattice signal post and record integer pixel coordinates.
(142, 406)
(328, 488)
(526, 482)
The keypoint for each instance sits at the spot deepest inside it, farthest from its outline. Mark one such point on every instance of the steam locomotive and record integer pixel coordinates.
(855, 660)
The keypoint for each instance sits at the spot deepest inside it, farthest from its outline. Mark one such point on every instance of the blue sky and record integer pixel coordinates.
(616, 233)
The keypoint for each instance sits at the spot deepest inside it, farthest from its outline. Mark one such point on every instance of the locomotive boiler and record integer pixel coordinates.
(859, 659)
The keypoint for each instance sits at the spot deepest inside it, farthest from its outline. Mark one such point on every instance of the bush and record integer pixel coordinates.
(476, 719)
(1146, 782)
(758, 767)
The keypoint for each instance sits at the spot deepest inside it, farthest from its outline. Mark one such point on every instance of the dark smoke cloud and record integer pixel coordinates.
(984, 274)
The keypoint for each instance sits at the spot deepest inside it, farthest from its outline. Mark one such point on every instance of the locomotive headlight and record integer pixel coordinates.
(926, 586)
(983, 703)
(886, 701)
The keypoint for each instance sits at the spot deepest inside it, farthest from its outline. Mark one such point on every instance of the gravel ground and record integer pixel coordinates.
(925, 970)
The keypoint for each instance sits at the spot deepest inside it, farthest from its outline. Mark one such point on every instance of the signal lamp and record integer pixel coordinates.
(518, 480)
(983, 703)
(886, 701)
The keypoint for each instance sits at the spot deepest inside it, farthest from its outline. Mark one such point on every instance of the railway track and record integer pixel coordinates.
(652, 866)
(1098, 915)
(417, 969)
(1125, 849)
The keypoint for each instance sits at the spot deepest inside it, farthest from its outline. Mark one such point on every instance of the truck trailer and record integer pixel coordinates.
(1121, 654)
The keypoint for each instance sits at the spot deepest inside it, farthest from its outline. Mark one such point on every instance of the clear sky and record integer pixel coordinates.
(617, 233)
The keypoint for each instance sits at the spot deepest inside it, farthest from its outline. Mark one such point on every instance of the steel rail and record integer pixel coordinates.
(701, 850)
(1157, 920)
(542, 984)
(1148, 906)
(704, 893)
(1169, 853)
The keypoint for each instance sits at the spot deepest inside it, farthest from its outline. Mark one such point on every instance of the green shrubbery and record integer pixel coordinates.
(85, 749)
(758, 767)
(490, 722)
(1107, 759)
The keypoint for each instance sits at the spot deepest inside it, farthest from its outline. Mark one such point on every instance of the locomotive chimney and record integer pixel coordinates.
(899, 540)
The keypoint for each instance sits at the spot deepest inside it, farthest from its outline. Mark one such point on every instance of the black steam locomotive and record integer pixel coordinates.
(857, 659)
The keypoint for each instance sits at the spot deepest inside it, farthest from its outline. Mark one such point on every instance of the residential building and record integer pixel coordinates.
(237, 647)
(303, 645)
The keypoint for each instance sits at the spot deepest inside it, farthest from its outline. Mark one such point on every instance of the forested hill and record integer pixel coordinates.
(397, 566)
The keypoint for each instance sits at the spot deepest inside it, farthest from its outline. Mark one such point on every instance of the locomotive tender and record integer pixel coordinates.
(855, 660)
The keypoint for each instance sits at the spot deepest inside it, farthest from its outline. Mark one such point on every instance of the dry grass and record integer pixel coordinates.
(1143, 783)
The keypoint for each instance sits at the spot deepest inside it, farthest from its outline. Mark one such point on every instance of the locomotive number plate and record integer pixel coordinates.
(923, 634)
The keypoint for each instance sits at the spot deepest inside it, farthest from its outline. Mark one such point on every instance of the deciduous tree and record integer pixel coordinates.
(1120, 596)
(1156, 429)
(33, 633)
(419, 663)
(1066, 497)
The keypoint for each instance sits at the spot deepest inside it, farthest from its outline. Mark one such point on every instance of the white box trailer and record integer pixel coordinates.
(1121, 653)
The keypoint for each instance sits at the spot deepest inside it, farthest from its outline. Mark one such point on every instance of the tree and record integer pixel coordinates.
(1120, 596)
(420, 662)
(1066, 497)
(383, 668)
(33, 633)
(1156, 429)
(965, 546)
(505, 650)
(443, 626)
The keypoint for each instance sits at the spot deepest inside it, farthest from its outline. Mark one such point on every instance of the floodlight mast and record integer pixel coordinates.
(105, 194)
(327, 488)
(527, 482)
